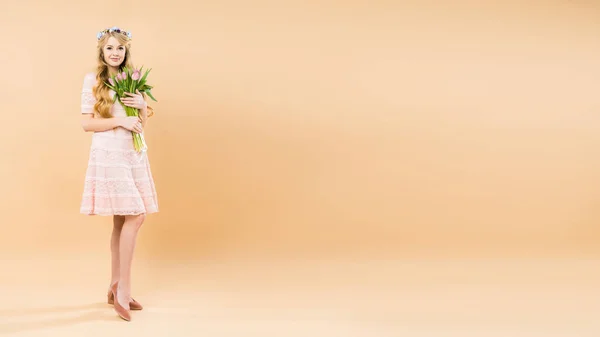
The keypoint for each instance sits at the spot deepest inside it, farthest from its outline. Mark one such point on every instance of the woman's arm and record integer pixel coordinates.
(91, 124)
(137, 101)
(144, 115)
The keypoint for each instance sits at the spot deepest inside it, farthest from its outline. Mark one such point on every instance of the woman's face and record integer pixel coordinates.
(114, 52)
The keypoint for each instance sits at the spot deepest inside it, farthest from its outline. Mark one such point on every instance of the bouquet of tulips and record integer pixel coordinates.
(131, 80)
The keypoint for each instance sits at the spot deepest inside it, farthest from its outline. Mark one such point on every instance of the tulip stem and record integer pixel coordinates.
(138, 139)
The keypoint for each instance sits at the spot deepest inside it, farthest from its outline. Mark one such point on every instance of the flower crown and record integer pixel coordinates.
(113, 29)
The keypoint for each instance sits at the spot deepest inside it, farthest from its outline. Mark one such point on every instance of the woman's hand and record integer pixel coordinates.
(132, 123)
(135, 101)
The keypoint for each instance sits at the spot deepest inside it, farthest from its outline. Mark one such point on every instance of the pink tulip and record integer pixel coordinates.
(136, 75)
(112, 82)
(119, 77)
(124, 75)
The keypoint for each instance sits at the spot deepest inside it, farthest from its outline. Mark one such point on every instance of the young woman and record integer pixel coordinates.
(118, 181)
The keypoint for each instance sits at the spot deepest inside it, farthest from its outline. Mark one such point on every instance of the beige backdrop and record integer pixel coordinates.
(318, 128)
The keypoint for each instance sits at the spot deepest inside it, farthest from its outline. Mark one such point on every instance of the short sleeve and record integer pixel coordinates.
(87, 96)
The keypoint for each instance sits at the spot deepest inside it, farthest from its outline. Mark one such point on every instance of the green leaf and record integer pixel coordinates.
(150, 95)
(145, 75)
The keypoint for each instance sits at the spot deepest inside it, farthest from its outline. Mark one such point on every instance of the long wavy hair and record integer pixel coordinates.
(104, 101)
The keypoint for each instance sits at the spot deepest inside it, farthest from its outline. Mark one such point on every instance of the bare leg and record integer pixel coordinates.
(118, 221)
(127, 243)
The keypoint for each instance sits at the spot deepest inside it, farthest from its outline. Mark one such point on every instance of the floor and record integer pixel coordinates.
(65, 296)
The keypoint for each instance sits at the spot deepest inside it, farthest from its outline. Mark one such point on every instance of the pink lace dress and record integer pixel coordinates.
(118, 180)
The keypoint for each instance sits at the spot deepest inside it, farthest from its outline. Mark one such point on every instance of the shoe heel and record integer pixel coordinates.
(110, 299)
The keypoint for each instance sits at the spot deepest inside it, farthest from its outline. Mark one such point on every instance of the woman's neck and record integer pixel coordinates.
(112, 71)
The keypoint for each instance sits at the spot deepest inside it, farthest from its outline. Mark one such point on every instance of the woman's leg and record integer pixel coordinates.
(118, 221)
(127, 243)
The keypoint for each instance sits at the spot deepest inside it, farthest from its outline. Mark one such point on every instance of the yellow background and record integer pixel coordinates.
(317, 128)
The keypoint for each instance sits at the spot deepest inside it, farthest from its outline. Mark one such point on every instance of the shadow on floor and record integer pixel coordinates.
(84, 313)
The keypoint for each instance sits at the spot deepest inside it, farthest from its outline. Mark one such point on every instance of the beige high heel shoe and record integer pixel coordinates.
(133, 305)
(121, 311)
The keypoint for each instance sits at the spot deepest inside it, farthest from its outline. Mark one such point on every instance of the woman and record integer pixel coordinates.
(118, 180)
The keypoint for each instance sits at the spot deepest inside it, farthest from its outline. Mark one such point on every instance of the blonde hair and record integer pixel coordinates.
(104, 101)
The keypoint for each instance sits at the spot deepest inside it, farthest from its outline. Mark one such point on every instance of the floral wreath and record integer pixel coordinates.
(113, 29)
